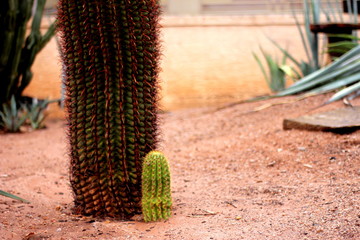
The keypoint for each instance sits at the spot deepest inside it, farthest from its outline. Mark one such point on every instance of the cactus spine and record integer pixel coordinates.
(156, 200)
(110, 54)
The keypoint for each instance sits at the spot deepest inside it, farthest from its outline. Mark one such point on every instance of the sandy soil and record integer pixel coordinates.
(235, 175)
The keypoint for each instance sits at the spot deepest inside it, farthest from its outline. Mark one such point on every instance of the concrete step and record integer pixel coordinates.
(340, 120)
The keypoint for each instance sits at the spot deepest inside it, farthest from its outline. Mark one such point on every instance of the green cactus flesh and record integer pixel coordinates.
(156, 192)
(110, 53)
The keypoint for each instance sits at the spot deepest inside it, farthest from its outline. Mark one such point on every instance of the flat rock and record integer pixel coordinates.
(340, 120)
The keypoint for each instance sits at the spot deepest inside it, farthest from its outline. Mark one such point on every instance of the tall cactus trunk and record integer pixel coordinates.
(110, 55)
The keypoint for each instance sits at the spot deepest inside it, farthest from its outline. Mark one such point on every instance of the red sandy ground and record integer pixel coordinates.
(235, 175)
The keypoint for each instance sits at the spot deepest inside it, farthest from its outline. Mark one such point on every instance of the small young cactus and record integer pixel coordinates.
(156, 192)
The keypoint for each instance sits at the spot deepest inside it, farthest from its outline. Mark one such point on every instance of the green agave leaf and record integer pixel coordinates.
(275, 77)
(311, 37)
(261, 67)
(315, 7)
(347, 44)
(9, 195)
(284, 58)
(7, 110)
(21, 121)
(286, 53)
(297, 75)
(37, 122)
(349, 7)
(340, 50)
(344, 92)
(342, 45)
(344, 36)
(355, 11)
(327, 14)
(335, 12)
(337, 83)
(14, 110)
(339, 10)
(306, 69)
(273, 66)
(304, 43)
(12, 117)
(319, 79)
(3, 119)
(329, 68)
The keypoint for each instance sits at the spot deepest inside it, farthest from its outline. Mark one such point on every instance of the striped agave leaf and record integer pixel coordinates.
(9, 195)
(340, 73)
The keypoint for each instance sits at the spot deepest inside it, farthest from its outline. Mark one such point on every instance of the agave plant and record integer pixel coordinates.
(310, 39)
(36, 113)
(12, 117)
(344, 71)
(310, 42)
(275, 74)
(348, 42)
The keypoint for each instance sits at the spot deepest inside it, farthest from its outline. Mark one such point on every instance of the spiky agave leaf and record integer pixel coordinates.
(344, 92)
(347, 62)
(9, 195)
(274, 76)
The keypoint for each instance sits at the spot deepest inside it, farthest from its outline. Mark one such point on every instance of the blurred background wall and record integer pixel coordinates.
(207, 51)
(200, 7)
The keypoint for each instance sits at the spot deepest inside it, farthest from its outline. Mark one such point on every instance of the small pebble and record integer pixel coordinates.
(308, 166)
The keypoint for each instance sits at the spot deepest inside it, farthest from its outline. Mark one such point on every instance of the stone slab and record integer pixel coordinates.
(340, 120)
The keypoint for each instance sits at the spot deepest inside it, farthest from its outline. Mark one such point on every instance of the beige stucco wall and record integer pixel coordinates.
(206, 60)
